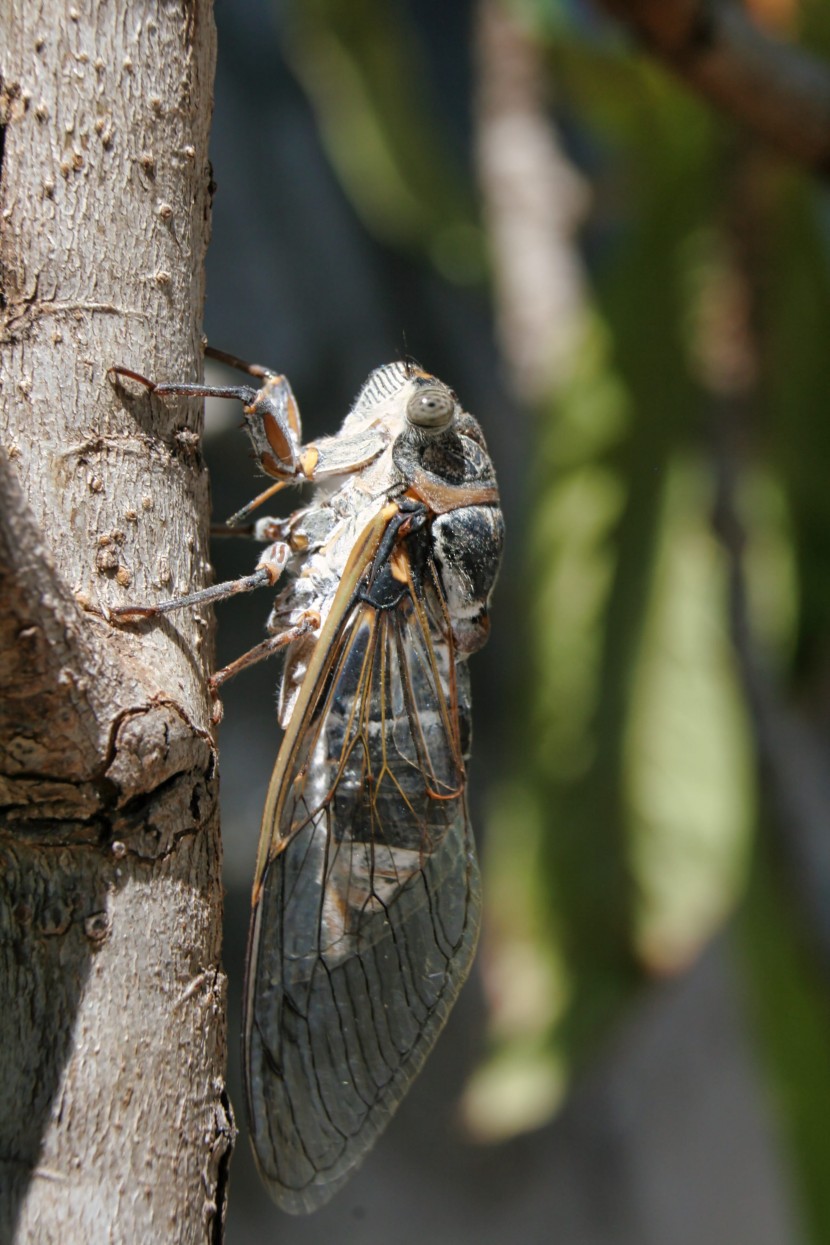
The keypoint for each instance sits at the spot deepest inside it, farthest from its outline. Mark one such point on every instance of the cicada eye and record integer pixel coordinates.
(431, 407)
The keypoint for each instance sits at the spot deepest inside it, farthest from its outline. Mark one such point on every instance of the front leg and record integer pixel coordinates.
(272, 417)
(272, 421)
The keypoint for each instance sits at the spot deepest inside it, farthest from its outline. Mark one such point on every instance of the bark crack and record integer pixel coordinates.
(226, 1134)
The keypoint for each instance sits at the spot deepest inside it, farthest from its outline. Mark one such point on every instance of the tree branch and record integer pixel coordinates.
(791, 744)
(533, 203)
(790, 748)
(777, 90)
(114, 1123)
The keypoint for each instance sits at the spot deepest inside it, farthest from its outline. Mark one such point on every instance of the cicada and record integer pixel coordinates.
(366, 891)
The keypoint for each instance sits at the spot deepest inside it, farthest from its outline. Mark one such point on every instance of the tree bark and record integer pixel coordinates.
(114, 1122)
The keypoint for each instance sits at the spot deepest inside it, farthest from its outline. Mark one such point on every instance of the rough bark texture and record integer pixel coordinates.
(113, 1119)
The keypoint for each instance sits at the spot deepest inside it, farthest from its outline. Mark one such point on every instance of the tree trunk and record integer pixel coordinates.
(113, 1118)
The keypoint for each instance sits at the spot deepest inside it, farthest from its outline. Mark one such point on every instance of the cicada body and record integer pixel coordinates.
(366, 898)
(366, 893)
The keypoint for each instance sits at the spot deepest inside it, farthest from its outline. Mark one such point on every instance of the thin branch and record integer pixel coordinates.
(777, 90)
(790, 748)
(534, 201)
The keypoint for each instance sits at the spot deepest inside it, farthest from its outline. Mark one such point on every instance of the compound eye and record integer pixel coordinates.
(431, 408)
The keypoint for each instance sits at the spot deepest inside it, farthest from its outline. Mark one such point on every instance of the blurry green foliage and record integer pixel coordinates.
(789, 983)
(795, 317)
(641, 774)
(366, 76)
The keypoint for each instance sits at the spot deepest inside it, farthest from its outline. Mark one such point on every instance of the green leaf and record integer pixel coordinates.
(380, 120)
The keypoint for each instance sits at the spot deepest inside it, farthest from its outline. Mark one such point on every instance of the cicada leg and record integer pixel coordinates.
(269, 568)
(272, 421)
(231, 360)
(276, 398)
(272, 417)
(309, 621)
(234, 522)
(265, 531)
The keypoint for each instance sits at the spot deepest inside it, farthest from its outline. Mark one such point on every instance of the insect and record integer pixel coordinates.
(366, 892)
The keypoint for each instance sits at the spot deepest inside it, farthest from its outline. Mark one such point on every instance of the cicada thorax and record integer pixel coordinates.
(467, 547)
(452, 471)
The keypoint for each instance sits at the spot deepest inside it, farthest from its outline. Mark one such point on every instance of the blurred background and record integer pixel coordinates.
(632, 296)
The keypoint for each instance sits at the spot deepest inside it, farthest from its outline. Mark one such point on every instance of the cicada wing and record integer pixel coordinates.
(366, 918)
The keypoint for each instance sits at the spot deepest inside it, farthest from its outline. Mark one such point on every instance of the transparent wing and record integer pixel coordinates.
(366, 914)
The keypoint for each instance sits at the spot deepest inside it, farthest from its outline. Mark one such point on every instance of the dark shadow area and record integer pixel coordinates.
(45, 960)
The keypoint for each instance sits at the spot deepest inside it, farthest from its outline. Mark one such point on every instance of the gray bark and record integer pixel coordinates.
(113, 1118)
